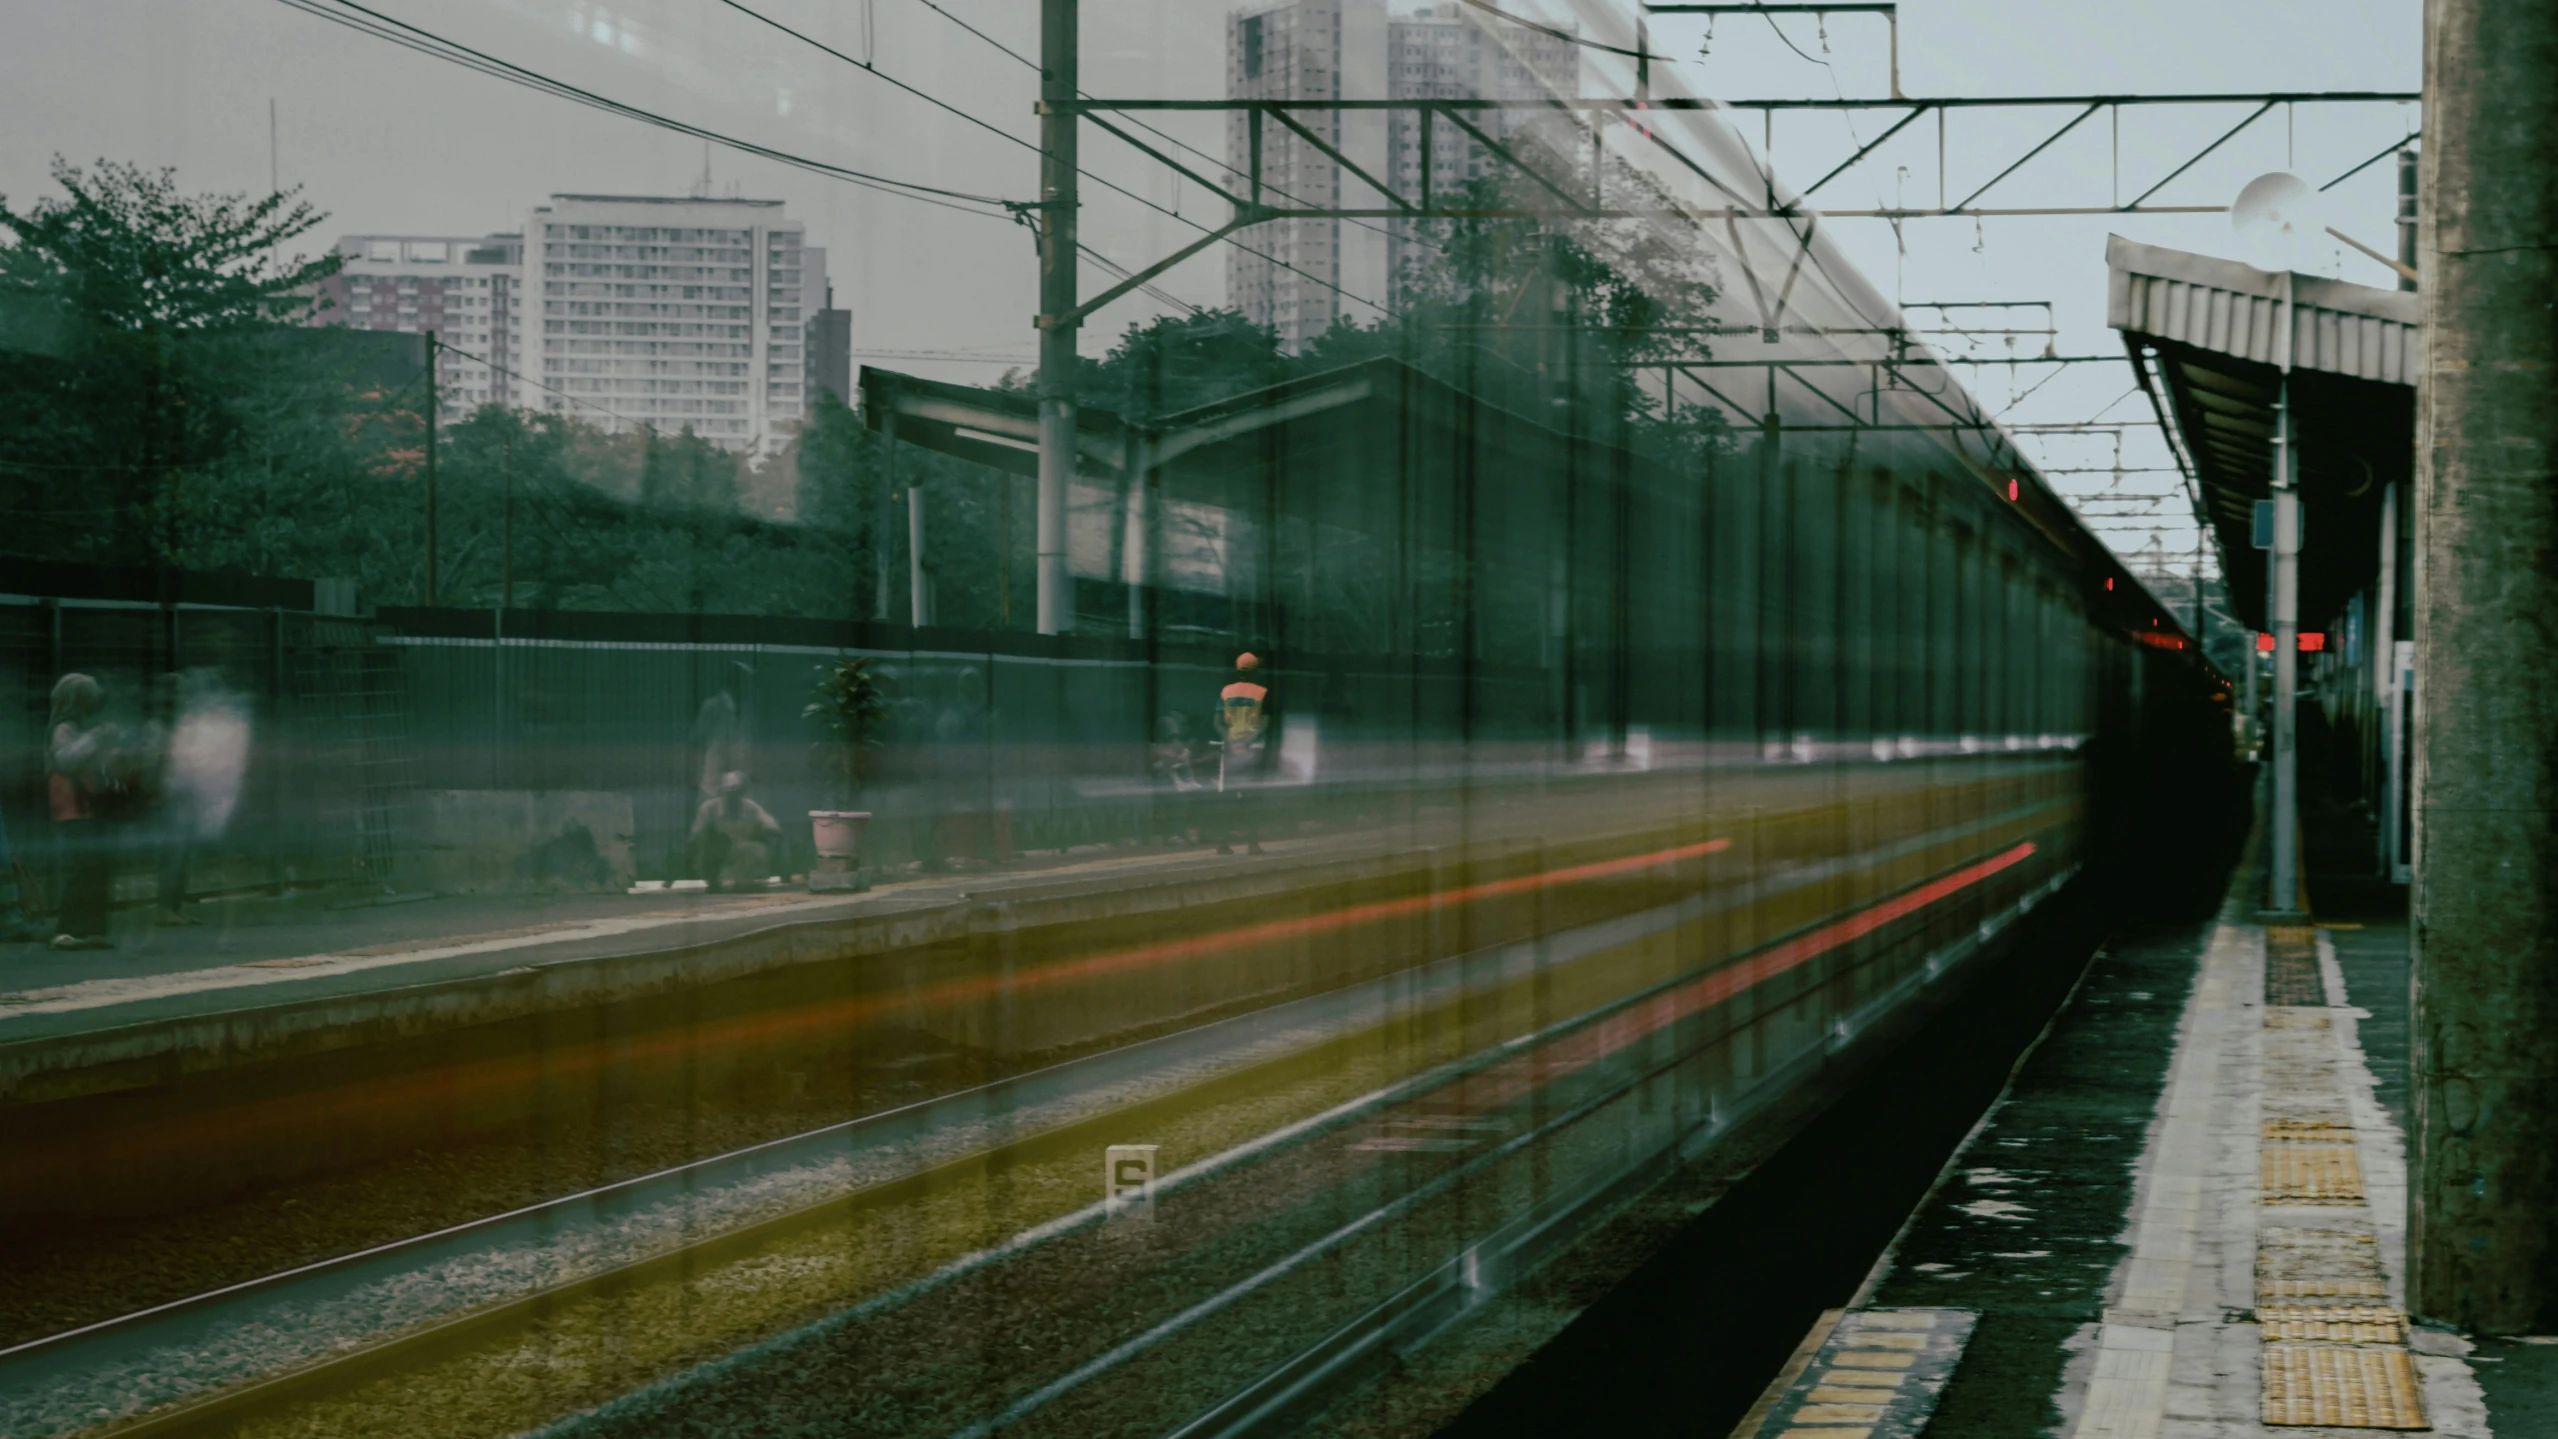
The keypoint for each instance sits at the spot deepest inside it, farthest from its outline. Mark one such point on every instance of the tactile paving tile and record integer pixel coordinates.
(1876, 1376)
(2309, 1174)
(2341, 1388)
(2318, 1129)
(2315, 1253)
(2332, 1324)
(2293, 1291)
(2291, 966)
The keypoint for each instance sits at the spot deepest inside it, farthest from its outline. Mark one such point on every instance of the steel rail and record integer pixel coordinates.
(1248, 1409)
(1418, 1312)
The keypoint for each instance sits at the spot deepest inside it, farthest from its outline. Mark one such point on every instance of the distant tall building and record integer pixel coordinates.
(1449, 51)
(1291, 274)
(671, 313)
(830, 334)
(1353, 50)
(467, 290)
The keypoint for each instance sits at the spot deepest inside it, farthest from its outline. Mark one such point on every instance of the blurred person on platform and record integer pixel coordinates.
(1243, 734)
(169, 824)
(86, 784)
(734, 839)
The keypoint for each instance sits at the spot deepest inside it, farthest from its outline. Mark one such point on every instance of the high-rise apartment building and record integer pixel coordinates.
(467, 290)
(1311, 272)
(1297, 276)
(1450, 51)
(670, 313)
(830, 335)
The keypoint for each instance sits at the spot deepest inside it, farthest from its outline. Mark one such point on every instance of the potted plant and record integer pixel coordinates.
(848, 707)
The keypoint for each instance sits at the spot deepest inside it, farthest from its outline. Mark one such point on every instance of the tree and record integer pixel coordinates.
(133, 314)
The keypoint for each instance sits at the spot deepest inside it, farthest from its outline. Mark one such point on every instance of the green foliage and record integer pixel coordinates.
(124, 252)
(133, 323)
(163, 405)
(850, 706)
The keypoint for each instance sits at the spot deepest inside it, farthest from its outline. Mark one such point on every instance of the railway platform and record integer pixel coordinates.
(2185, 1218)
(265, 951)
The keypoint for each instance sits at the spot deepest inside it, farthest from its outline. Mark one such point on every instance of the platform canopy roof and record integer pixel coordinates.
(2206, 333)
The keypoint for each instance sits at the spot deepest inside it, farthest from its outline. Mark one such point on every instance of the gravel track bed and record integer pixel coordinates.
(959, 1355)
(613, 1345)
(64, 1273)
(288, 1335)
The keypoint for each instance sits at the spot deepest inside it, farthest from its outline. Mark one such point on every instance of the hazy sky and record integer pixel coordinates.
(389, 141)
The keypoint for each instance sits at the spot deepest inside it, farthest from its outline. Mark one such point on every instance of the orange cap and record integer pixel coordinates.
(1247, 661)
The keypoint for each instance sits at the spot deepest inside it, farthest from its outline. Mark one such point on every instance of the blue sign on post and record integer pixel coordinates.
(2265, 524)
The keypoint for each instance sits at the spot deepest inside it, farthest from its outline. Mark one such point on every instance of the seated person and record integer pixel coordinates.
(733, 839)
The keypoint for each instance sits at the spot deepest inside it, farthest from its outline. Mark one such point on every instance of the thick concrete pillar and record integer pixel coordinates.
(2483, 1202)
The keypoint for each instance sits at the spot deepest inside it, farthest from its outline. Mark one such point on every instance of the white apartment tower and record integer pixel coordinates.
(670, 313)
(1355, 50)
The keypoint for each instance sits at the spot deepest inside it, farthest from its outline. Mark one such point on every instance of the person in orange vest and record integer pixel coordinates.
(1243, 727)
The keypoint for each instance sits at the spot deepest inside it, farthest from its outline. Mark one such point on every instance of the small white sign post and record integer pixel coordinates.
(1128, 1181)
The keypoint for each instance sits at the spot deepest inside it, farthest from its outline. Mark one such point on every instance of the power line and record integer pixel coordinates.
(495, 368)
(1164, 135)
(1140, 199)
(426, 42)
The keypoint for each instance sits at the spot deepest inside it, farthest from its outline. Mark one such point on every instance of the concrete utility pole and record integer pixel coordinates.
(2283, 881)
(2483, 1204)
(433, 403)
(1057, 325)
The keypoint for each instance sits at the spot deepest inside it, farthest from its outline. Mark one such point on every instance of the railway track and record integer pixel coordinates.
(1430, 1124)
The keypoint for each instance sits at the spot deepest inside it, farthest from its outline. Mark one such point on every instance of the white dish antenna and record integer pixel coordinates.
(2277, 220)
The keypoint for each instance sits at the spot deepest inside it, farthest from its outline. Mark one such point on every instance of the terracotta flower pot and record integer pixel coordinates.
(838, 833)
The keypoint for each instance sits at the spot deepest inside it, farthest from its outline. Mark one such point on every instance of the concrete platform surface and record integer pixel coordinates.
(2186, 1215)
(261, 951)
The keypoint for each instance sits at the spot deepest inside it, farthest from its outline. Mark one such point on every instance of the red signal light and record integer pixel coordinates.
(2310, 642)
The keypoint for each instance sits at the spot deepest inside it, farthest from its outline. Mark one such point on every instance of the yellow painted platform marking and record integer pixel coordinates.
(1839, 1414)
(2328, 1362)
(2310, 1174)
(2274, 1291)
(2333, 1324)
(1840, 1394)
(2344, 1388)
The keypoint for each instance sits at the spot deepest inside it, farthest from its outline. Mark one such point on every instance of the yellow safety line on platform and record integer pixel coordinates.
(2327, 1362)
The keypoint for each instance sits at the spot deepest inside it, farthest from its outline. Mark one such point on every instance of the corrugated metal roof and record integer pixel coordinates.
(2208, 328)
(2230, 308)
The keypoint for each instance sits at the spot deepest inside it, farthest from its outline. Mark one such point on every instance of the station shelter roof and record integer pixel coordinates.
(2207, 330)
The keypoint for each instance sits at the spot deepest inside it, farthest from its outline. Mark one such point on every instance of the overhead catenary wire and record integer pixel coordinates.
(1164, 135)
(998, 130)
(426, 42)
